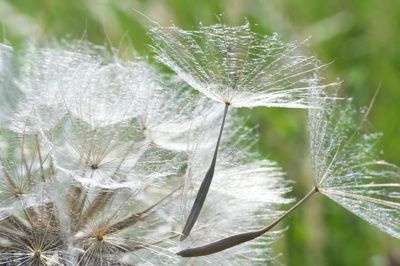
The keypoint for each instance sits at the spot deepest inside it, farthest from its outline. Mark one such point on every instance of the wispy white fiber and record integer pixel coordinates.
(231, 64)
(347, 167)
(97, 158)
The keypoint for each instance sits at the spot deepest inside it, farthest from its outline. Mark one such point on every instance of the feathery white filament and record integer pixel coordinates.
(347, 171)
(93, 156)
(231, 64)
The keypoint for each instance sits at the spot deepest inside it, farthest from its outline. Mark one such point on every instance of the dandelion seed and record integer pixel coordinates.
(234, 66)
(347, 171)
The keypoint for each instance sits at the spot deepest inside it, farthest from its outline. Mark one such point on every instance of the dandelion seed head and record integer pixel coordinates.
(98, 158)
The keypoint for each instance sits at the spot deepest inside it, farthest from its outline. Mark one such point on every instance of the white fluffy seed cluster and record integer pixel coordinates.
(102, 158)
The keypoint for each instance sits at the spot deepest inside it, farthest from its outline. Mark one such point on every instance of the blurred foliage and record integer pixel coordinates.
(358, 38)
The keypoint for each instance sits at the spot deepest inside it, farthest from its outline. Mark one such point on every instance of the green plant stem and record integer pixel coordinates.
(235, 240)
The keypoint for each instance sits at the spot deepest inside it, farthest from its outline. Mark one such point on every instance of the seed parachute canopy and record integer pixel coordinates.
(231, 64)
(346, 169)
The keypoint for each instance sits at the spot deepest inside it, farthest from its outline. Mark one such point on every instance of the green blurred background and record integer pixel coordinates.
(359, 38)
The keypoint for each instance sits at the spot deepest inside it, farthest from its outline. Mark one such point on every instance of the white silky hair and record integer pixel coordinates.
(231, 64)
(347, 168)
(252, 191)
(96, 156)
